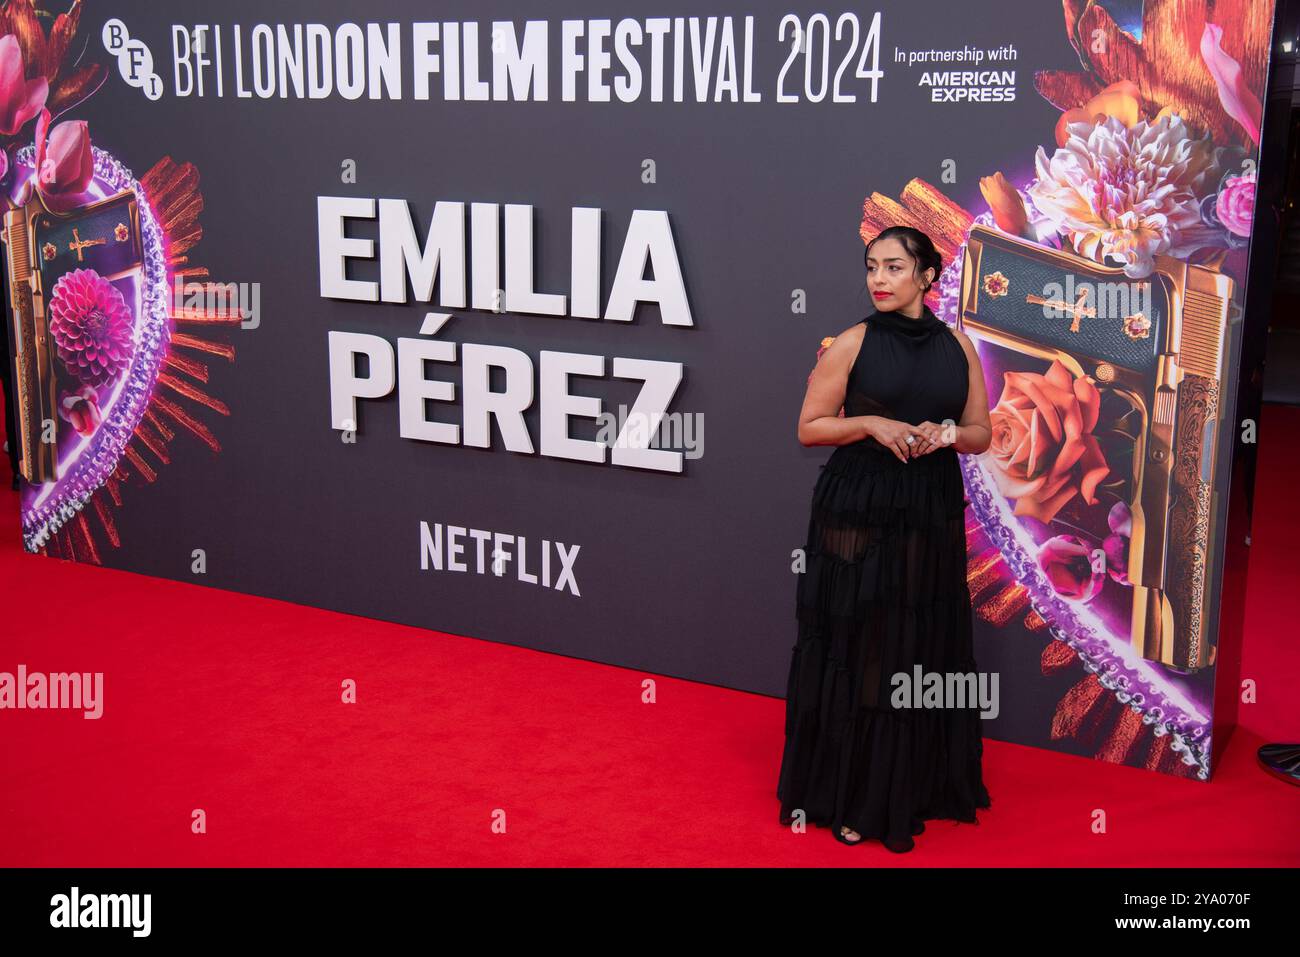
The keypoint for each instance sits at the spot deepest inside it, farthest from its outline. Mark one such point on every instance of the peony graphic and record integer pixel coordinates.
(1043, 451)
(91, 325)
(1129, 193)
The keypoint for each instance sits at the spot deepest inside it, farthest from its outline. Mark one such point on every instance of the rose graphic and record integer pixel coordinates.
(1067, 561)
(91, 326)
(1043, 451)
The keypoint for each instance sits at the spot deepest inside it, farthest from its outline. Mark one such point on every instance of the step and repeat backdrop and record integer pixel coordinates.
(498, 321)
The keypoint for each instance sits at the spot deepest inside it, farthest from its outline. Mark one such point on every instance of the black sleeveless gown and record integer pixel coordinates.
(885, 590)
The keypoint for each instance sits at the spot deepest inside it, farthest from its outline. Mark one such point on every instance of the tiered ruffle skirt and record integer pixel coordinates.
(884, 590)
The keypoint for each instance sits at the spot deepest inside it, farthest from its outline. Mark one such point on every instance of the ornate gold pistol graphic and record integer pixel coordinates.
(1158, 344)
(42, 245)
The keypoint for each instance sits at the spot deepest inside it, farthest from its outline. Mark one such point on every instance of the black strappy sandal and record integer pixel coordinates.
(839, 836)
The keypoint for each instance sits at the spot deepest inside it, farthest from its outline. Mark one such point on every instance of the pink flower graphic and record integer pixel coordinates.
(91, 326)
(20, 98)
(1235, 205)
(1067, 561)
(1120, 520)
(1239, 101)
(81, 409)
(1128, 193)
(64, 164)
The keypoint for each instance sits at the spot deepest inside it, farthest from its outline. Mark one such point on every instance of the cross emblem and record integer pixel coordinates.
(1076, 310)
(78, 244)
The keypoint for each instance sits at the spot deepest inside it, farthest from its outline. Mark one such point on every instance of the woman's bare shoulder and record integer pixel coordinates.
(838, 353)
(852, 336)
(964, 340)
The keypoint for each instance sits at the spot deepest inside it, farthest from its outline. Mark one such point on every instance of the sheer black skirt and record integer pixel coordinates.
(884, 590)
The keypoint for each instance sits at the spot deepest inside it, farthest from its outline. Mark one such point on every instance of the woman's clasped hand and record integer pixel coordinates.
(909, 441)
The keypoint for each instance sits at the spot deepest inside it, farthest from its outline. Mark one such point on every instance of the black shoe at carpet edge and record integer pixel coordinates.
(1282, 761)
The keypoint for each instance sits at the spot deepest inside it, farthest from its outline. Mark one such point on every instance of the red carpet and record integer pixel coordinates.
(232, 704)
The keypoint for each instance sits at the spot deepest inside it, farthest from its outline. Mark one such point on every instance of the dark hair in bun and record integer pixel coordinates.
(919, 246)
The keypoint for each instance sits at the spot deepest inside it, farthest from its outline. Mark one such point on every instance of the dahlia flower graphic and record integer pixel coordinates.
(91, 326)
(1129, 192)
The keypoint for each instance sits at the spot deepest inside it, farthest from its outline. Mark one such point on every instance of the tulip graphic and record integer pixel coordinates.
(20, 98)
(1007, 206)
(64, 164)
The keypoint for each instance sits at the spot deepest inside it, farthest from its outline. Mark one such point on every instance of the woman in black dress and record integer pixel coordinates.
(884, 588)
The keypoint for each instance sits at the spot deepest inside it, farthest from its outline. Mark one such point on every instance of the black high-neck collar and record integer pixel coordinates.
(920, 328)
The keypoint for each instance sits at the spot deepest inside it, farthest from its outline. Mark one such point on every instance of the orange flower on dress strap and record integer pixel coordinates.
(826, 343)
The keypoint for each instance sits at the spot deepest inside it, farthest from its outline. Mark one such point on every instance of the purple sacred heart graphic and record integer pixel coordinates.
(99, 306)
